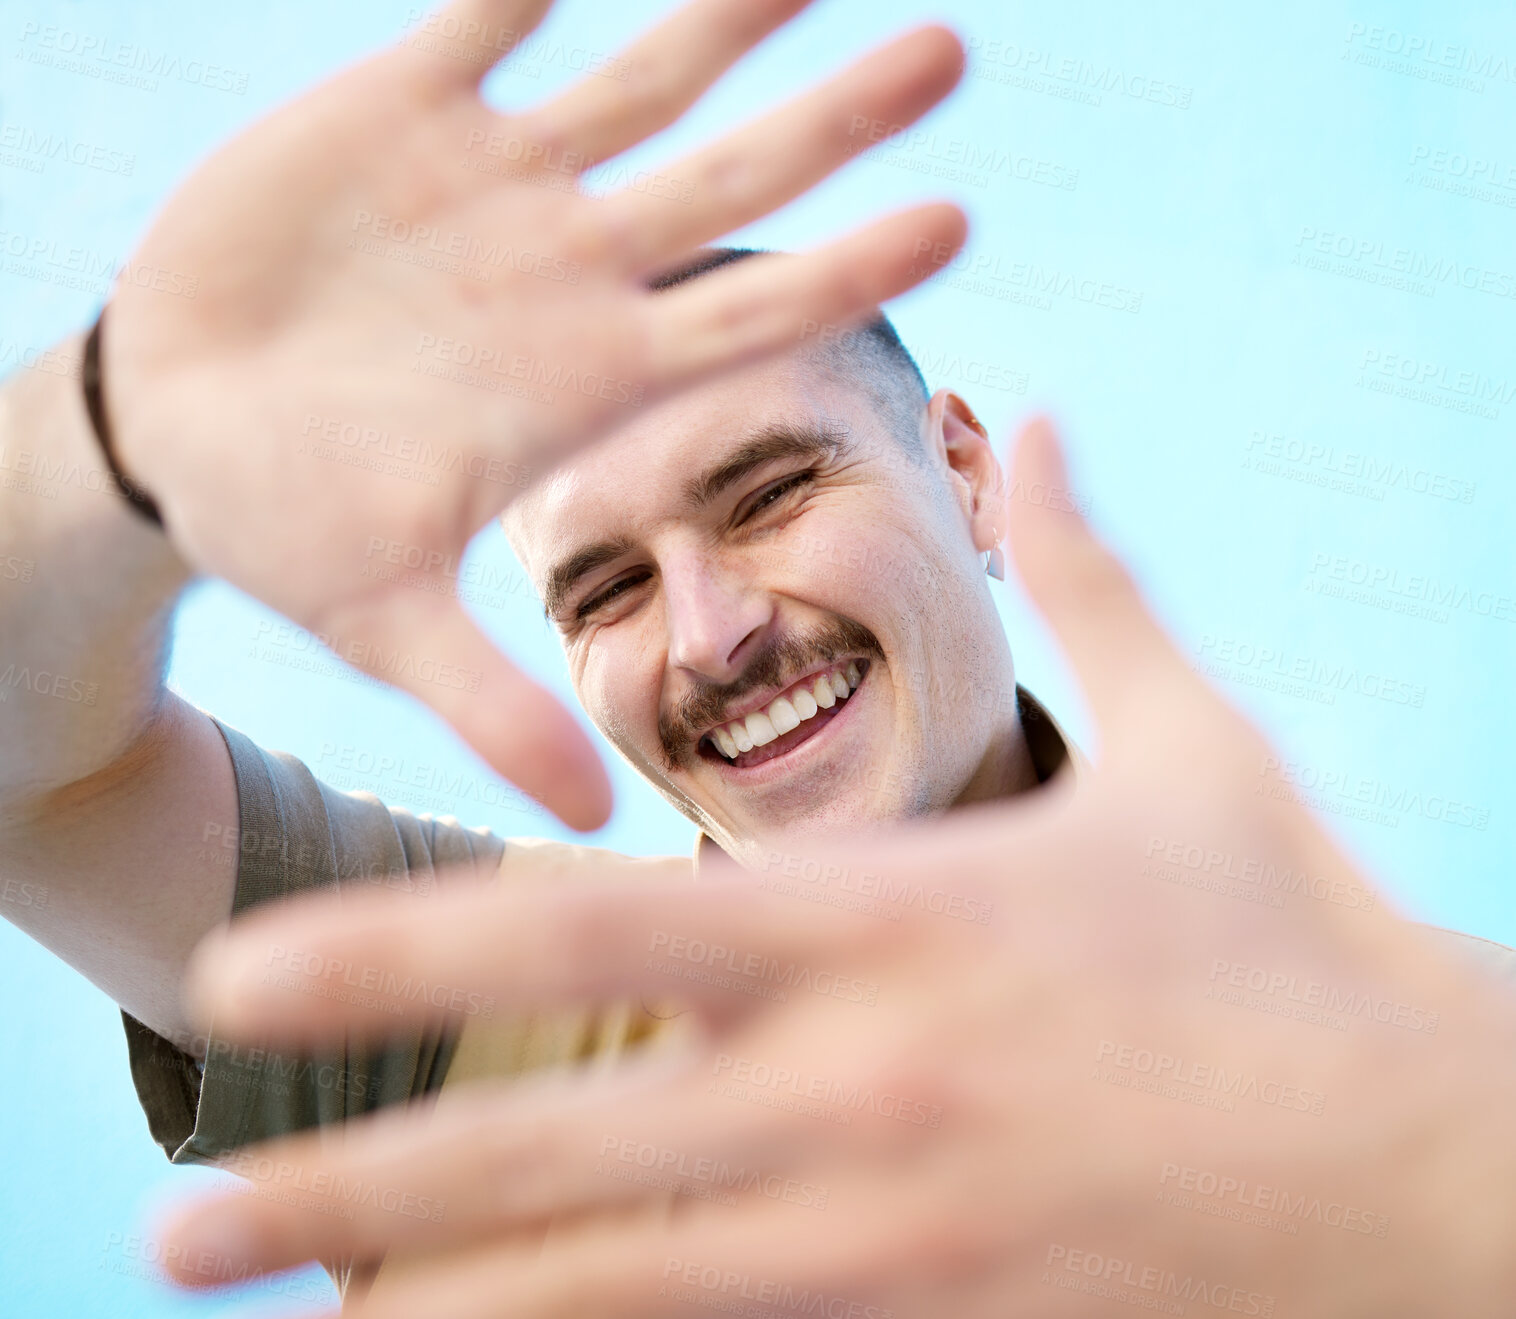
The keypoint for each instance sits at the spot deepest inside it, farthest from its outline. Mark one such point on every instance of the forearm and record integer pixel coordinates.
(86, 594)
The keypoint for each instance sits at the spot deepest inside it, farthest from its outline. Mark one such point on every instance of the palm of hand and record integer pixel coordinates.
(385, 345)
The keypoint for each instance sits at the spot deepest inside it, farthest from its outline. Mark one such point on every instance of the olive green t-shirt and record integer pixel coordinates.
(295, 834)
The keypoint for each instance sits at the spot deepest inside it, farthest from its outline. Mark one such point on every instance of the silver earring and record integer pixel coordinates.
(994, 560)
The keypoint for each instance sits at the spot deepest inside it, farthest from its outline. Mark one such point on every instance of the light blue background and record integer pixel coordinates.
(1200, 209)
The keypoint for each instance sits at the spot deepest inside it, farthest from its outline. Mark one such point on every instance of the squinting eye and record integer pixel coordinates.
(774, 493)
(589, 606)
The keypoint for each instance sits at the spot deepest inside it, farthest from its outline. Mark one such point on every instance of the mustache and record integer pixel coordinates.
(779, 659)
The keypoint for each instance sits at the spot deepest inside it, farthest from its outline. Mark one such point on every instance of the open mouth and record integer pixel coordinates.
(796, 715)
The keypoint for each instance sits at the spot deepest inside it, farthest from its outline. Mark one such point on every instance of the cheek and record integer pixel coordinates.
(617, 683)
(881, 572)
(834, 554)
(592, 678)
(898, 573)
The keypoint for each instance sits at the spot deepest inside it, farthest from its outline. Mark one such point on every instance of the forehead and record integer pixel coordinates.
(627, 483)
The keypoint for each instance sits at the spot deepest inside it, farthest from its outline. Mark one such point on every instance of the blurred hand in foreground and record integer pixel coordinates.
(1151, 1040)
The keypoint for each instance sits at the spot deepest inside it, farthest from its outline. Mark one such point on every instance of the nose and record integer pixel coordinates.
(716, 614)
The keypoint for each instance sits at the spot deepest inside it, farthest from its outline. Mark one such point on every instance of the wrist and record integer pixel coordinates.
(83, 636)
(101, 421)
(64, 493)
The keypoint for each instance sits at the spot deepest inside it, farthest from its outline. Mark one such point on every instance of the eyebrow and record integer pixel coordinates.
(560, 581)
(811, 441)
(783, 440)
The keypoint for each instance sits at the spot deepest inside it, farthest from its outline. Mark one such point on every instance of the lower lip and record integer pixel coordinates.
(786, 763)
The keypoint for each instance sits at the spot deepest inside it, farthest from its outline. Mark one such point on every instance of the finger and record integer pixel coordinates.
(473, 944)
(484, 1161)
(756, 170)
(429, 647)
(762, 306)
(659, 77)
(761, 1257)
(487, 1160)
(455, 47)
(1116, 647)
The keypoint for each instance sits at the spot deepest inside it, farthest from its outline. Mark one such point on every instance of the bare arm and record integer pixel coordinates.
(107, 781)
(261, 311)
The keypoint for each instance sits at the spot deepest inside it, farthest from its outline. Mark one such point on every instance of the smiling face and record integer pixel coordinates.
(775, 608)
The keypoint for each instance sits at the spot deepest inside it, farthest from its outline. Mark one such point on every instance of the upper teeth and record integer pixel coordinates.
(787, 710)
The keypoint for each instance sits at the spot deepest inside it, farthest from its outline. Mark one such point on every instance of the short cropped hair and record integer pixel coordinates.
(870, 356)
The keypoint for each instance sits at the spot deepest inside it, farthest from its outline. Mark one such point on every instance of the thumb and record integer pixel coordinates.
(429, 647)
(1116, 647)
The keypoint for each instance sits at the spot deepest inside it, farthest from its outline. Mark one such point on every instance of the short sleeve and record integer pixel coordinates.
(295, 834)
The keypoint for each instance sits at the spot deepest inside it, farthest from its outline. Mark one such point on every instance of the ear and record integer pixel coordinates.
(962, 445)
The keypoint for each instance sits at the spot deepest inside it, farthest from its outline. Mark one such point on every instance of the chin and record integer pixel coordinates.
(835, 818)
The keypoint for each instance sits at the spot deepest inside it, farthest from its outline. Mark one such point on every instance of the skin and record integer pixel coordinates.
(270, 326)
(996, 1025)
(885, 538)
(1043, 1161)
(296, 327)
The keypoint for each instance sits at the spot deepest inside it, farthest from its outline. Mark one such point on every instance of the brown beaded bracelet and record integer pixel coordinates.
(94, 404)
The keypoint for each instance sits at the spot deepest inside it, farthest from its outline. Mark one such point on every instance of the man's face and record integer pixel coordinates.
(775, 609)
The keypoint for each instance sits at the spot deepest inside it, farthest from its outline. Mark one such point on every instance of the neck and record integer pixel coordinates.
(1005, 770)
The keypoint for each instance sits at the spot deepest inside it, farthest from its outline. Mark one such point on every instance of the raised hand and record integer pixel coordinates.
(1044, 1097)
(379, 314)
